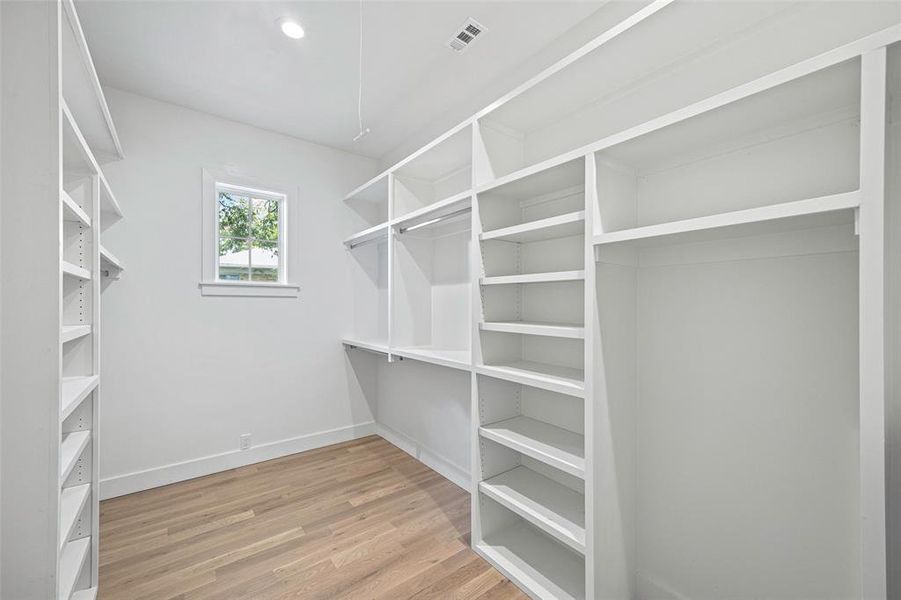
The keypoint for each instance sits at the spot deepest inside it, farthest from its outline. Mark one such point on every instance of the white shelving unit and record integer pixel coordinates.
(53, 515)
(724, 189)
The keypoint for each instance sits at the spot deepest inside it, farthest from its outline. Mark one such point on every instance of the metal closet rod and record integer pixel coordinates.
(449, 215)
(364, 242)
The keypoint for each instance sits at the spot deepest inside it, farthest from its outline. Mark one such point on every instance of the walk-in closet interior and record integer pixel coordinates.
(549, 300)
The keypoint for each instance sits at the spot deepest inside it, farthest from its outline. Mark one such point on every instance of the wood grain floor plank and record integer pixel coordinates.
(360, 520)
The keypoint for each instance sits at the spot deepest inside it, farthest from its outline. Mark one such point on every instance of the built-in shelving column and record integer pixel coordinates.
(54, 269)
(529, 468)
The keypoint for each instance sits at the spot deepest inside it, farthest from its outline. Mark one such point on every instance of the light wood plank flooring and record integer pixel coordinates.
(355, 520)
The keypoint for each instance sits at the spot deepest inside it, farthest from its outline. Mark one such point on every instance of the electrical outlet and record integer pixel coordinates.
(245, 441)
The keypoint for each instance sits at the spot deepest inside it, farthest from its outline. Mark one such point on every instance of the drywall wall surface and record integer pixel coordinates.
(184, 375)
(748, 428)
(424, 409)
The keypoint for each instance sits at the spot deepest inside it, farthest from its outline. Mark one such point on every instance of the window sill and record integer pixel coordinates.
(249, 289)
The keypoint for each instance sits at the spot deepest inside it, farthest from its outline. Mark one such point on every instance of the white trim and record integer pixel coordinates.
(871, 228)
(129, 483)
(450, 471)
(249, 289)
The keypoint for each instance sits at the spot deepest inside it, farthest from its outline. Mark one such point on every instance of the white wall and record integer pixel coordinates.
(424, 409)
(185, 375)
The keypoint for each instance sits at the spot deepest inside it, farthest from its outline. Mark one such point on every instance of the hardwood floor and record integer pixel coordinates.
(355, 520)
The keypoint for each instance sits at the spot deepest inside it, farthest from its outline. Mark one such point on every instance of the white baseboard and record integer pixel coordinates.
(129, 483)
(651, 588)
(442, 466)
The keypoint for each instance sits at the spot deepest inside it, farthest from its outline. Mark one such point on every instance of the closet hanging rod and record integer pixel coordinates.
(456, 213)
(353, 245)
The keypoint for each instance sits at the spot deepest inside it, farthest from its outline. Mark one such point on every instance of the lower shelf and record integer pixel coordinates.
(455, 359)
(550, 506)
(71, 562)
(551, 445)
(89, 594)
(535, 563)
(72, 502)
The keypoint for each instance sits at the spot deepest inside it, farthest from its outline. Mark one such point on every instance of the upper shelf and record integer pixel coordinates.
(671, 55)
(543, 229)
(442, 158)
(375, 190)
(801, 214)
(82, 92)
(79, 162)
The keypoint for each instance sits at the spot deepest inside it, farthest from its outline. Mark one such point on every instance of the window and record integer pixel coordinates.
(246, 234)
(249, 234)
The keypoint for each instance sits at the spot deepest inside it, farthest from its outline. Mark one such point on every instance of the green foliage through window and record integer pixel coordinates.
(248, 237)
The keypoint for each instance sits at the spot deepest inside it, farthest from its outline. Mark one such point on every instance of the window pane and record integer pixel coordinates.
(234, 215)
(265, 261)
(234, 259)
(265, 220)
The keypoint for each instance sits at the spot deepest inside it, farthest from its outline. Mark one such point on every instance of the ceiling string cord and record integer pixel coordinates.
(361, 131)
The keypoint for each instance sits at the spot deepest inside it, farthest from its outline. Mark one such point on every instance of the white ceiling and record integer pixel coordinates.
(228, 58)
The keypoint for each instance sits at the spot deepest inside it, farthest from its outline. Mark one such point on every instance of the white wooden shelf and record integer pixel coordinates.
(551, 445)
(72, 212)
(74, 391)
(367, 235)
(801, 214)
(71, 562)
(435, 212)
(534, 278)
(535, 328)
(553, 508)
(82, 91)
(69, 333)
(539, 182)
(373, 346)
(536, 563)
(375, 190)
(75, 271)
(111, 266)
(543, 229)
(548, 377)
(71, 503)
(455, 359)
(73, 445)
(79, 162)
(89, 594)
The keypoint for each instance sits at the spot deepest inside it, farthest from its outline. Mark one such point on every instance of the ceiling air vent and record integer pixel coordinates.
(466, 35)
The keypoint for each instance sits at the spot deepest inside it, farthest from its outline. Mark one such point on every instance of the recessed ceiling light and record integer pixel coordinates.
(291, 28)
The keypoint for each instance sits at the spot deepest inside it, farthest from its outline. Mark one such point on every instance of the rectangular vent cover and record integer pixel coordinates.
(465, 35)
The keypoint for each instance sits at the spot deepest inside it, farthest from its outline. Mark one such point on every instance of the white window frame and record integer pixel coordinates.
(210, 284)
